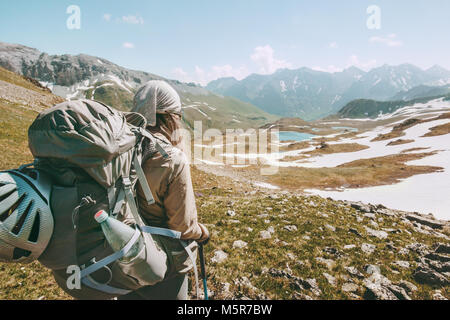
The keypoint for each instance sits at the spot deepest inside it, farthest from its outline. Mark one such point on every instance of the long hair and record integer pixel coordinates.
(170, 126)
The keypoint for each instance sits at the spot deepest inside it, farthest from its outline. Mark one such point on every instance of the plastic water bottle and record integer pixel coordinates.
(118, 234)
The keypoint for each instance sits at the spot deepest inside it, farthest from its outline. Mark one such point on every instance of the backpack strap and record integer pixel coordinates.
(89, 282)
(143, 181)
(128, 189)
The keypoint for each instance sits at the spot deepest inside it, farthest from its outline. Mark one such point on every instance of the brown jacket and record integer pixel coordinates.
(171, 185)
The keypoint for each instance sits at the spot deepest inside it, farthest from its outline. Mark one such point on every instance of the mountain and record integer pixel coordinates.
(365, 108)
(421, 92)
(311, 94)
(84, 76)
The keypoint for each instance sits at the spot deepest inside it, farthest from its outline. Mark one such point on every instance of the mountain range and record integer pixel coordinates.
(84, 76)
(311, 94)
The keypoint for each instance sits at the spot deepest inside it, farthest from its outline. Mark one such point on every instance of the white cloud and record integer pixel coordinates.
(390, 40)
(333, 45)
(203, 77)
(107, 17)
(128, 45)
(366, 66)
(265, 60)
(133, 19)
(330, 69)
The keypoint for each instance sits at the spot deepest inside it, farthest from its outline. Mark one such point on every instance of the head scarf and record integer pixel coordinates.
(156, 97)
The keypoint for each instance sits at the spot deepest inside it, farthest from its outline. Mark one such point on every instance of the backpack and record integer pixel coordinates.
(93, 154)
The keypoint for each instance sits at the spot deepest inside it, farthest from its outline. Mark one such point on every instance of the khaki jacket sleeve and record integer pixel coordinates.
(179, 201)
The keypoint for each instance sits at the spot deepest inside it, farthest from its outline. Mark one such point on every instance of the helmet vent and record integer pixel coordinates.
(35, 229)
(19, 253)
(9, 212)
(6, 195)
(16, 229)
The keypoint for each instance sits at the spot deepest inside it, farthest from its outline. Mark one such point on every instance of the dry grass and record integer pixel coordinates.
(438, 130)
(399, 141)
(355, 174)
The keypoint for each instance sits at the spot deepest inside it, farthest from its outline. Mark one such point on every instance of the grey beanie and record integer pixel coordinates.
(154, 97)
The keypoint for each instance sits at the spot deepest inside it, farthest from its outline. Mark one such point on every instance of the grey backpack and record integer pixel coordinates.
(93, 154)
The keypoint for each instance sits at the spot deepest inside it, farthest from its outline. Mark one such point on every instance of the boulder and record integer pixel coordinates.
(219, 256)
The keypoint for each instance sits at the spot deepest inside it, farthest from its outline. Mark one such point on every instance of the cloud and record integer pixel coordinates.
(390, 40)
(203, 76)
(333, 45)
(330, 69)
(265, 60)
(107, 17)
(366, 66)
(128, 45)
(133, 19)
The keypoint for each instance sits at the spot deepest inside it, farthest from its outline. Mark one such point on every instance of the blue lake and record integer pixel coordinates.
(295, 136)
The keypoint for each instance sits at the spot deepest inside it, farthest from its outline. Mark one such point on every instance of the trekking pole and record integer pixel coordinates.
(203, 269)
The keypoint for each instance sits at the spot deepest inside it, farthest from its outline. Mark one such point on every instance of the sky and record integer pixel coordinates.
(202, 40)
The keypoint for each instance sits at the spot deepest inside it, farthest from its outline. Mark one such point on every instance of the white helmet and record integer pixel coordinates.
(26, 221)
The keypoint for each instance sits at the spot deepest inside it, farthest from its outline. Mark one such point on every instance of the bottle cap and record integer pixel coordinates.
(101, 216)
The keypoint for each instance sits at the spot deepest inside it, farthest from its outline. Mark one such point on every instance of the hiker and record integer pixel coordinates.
(170, 181)
(88, 163)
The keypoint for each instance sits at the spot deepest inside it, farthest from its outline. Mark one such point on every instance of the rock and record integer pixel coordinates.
(373, 224)
(368, 248)
(399, 292)
(306, 238)
(437, 295)
(271, 230)
(408, 286)
(301, 296)
(359, 219)
(266, 221)
(419, 248)
(234, 221)
(403, 251)
(435, 224)
(249, 229)
(327, 262)
(372, 269)
(350, 287)
(378, 292)
(402, 264)
(231, 213)
(438, 257)
(354, 231)
(331, 280)
(219, 256)
(442, 248)
(387, 212)
(265, 234)
(349, 246)
(330, 227)
(361, 207)
(369, 215)
(376, 233)
(291, 256)
(333, 251)
(311, 284)
(291, 228)
(239, 244)
(354, 272)
(426, 275)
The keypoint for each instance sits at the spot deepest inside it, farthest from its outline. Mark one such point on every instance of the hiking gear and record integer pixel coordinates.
(94, 154)
(154, 97)
(203, 270)
(26, 222)
(118, 235)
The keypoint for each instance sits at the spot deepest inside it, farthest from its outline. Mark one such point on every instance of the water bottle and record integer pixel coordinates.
(118, 234)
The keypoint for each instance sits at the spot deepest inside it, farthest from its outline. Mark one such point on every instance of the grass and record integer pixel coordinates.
(400, 141)
(355, 174)
(18, 80)
(438, 130)
(291, 249)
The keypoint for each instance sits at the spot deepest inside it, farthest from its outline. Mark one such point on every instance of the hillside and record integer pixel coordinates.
(267, 244)
(85, 76)
(311, 94)
(364, 108)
